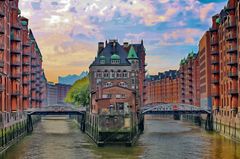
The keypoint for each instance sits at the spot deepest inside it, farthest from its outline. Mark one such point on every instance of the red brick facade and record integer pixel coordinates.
(21, 74)
(225, 62)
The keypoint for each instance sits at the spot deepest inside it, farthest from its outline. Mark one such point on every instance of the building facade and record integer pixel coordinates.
(205, 71)
(189, 80)
(115, 77)
(20, 61)
(56, 93)
(224, 53)
(162, 88)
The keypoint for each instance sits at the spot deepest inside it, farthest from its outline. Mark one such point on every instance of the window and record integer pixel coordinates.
(102, 61)
(125, 74)
(105, 74)
(122, 84)
(115, 61)
(106, 96)
(120, 96)
(99, 74)
(112, 75)
(108, 84)
(119, 74)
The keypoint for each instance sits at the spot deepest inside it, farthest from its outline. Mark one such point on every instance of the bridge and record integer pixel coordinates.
(56, 110)
(178, 109)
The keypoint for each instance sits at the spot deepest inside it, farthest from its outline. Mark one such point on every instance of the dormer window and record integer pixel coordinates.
(115, 59)
(102, 59)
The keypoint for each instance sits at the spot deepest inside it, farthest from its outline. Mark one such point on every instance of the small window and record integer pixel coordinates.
(108, 84)
(102, 61)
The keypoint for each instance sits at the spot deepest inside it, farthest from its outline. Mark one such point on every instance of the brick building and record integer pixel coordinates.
(224, 52)
(116, 76)
(163, 87)
(56, 93)
(20, 61)
(189, 80)
(205, 71)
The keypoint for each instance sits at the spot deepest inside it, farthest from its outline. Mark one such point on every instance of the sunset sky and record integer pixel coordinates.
(67, 31)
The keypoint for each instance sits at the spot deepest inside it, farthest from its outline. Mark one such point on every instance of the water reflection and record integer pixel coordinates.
(61, 139)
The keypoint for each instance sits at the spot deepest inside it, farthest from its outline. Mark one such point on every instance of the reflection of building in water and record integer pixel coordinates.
(115, 77)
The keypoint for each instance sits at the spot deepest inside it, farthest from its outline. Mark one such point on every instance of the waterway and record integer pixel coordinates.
(60, 138)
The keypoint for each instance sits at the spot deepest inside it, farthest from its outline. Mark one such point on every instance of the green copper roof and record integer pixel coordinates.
(191, 54)
(115, 57)
(102, 57)
(183, 61)
(19, 11)
(24, 23)
(218, 20)
(132, 54)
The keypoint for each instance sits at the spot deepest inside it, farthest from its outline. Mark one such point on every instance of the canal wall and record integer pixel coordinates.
(13, 126)
(113, 128)
(227, 126)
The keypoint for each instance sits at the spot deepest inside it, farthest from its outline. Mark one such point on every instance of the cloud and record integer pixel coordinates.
(68, 30)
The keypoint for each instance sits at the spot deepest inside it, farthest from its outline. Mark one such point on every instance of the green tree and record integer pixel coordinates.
(79, 93)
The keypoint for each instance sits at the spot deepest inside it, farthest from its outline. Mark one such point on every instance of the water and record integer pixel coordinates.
(162, 139)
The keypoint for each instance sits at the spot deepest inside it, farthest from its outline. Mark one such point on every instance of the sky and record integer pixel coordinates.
(68, 31)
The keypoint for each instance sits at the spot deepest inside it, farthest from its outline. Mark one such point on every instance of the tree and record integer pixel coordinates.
(79, 93)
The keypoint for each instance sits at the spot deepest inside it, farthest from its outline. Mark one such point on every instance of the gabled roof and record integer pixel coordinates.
(132, 54)
(112, 50)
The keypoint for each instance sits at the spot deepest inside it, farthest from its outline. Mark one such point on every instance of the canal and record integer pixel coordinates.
(60, 138)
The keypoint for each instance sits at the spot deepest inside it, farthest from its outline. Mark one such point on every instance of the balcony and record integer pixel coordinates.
(214, 52)
(16, 26)
(15, 63)
(25, 73)
(230, 8)
(233, 91)
(232, 75)
(15, 51)
(15, 75)
(213, 29)
(214, 62)
(232, 62)
(26, 96)
(15, 93)
(1, 63)
(1, 47)
(26, 53)
(215, 72)
(215, 94)
(230, 25)
(2, 11)
(26, 82)
(26, 63)
(26, 44)
(15, 38)
(231, 37)
(232, 50)
(214, 42)
(215, 81)
(2, 30)
(1, 88)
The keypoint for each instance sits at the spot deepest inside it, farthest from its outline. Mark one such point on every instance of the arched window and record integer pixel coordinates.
(108, 84)
(125, 74)
(119, 74)
(106, 74)
(122, 84)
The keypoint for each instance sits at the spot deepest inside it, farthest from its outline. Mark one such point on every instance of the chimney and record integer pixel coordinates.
(100, 46)
(125, 44)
